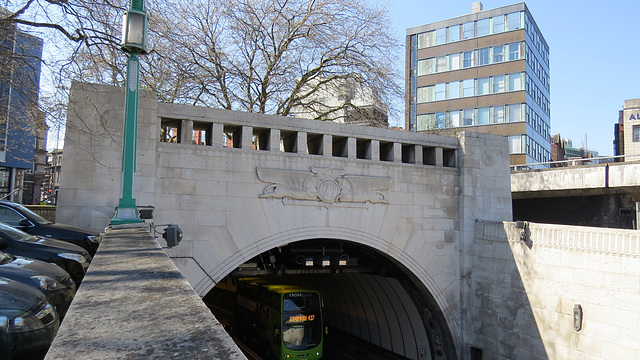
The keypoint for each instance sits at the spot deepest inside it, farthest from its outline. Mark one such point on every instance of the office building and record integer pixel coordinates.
(627, 131)
(22, 125)
(487, 71)
(344, 100)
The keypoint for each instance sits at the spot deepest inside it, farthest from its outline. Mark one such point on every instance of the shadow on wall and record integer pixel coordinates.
(502, 321)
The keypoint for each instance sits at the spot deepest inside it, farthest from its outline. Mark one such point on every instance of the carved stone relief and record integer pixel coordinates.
(323, 184)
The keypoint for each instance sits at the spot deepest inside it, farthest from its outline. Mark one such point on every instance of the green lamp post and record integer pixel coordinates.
(134, 29)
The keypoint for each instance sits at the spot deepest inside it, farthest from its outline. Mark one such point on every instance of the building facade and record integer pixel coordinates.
(22, 123)
(487, 71)
(51, 181)
(627, 130)
(343, 100)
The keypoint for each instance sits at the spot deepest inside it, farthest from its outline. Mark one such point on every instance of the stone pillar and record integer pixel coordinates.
(351, 148)
(247, 137)
(375, 150)
(397, 152)
(301, 143)
(274, 140)
(186, 132)
(439, 157)
(217, 135)
(327, 145)
(418, 155)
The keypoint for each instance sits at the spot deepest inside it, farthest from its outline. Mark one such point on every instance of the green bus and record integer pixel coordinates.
(279, 321)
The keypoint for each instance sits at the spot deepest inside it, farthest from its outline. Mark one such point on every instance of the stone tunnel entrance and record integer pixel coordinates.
(368, 297)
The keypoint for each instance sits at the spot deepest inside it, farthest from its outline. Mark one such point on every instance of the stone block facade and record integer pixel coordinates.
(527, 279)
(231, 181)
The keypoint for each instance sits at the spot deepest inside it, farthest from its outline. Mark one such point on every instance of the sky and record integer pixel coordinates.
(594, 57)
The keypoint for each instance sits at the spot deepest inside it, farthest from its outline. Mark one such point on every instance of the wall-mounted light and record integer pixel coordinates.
(577, 317)
(522, 226)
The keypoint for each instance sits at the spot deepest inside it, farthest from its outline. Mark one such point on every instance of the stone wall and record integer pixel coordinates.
(134, 304)
(527, 278)
(414, 197)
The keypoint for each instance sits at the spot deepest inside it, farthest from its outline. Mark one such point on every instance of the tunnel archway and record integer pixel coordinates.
(367, 294)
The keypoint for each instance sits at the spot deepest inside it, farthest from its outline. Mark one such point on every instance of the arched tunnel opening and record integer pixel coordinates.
(373, 306)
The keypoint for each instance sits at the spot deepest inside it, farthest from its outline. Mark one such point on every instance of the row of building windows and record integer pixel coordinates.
(471, 117)
(472, 29)
(537, 151)
(471, 87)
(523, 144)
(538, 68)
(485, 56)
(538, 95)
(538, 123)
(536, 39)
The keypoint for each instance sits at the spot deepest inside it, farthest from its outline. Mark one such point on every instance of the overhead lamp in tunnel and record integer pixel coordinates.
(343, 259)
(326, 261)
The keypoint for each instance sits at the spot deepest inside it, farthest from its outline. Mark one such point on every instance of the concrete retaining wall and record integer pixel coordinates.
(526, 283)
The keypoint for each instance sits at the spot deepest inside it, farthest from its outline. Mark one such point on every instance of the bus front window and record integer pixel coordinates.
(301, 320)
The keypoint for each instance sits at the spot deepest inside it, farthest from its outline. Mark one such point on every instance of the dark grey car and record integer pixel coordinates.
(28, 321)
(54, 282)
(72, 258)
(26, 220)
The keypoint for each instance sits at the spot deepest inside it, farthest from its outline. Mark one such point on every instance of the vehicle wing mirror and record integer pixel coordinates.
(24, 223)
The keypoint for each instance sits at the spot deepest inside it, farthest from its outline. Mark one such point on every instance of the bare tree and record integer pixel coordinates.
(69, 28)
(267, 56)
(273, 56)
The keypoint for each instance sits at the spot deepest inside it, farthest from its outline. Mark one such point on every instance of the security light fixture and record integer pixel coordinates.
(134, 32)
(577, 317)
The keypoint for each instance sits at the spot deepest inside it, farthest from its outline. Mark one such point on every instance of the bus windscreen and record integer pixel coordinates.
(302, 325)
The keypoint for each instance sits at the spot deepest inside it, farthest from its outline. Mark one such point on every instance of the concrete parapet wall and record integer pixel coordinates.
(527, 280)
(617, 175)
(134, 304)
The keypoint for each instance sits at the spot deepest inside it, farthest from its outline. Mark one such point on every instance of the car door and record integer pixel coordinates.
(5, 245)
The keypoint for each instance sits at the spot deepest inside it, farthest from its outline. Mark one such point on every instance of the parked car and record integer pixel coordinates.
(72, 258)
(54, 282)
(28, 321)
(26, 220)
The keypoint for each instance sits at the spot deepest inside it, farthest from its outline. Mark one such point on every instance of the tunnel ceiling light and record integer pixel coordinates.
(343, 259)
(326, 261)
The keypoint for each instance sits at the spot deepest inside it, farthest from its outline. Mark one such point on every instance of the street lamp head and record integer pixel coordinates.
(134, 32)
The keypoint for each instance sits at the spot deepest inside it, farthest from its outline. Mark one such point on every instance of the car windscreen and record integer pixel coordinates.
(16, 234)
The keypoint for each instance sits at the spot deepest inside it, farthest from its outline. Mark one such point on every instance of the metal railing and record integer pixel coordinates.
(565, 163)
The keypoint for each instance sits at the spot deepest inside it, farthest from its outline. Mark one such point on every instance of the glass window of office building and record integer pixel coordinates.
(507, 70)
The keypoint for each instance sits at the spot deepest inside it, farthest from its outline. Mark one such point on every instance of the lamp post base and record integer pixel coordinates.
(125, 215)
